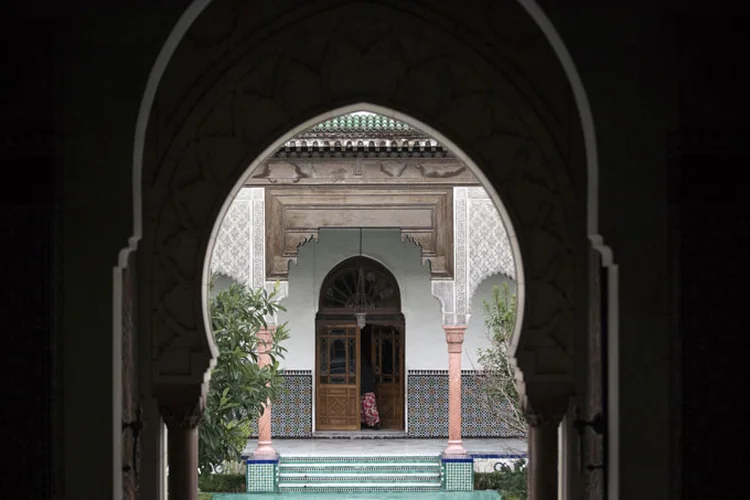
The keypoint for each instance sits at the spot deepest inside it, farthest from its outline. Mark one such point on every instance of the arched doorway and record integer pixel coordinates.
(217, 110)
(345, 345)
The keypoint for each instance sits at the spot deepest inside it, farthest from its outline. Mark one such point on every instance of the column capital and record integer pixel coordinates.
(181, 412)
(542, 420)
(546, 403)
(454, 336)
(265, 342)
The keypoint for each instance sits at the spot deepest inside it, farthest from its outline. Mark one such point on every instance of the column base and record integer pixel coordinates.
(458, 473)
(261, 474)
(455, 449)
(264, 451)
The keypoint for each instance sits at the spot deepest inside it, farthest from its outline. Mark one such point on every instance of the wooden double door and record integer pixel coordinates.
(341, 352)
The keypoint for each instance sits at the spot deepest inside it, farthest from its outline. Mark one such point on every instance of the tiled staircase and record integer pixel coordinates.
(359, 474)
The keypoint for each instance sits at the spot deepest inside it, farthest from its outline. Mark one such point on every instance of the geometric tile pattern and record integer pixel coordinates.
(427, 400)
(478, 419)
(261, 475)
(291, 414)
(458, 474)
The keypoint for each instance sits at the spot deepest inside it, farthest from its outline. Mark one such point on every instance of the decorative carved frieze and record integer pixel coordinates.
(339, 147)
(389, 170)
(294, 216)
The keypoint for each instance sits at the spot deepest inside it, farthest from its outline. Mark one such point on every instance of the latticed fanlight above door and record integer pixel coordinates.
(339, 291)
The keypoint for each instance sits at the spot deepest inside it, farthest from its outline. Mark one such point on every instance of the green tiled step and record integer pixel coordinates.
(384, 467)
(356, 487)
(422, 459)
(359, 474)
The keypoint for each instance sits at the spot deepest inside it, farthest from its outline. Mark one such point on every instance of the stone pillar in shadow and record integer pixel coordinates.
(545, 407)
(543, 457)
(182, 416)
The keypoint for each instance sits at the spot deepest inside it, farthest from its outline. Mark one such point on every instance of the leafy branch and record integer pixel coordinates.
(239, 386)
(498, 377)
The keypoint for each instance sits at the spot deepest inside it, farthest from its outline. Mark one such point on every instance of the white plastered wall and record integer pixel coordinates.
(425, 339)
(481, 247)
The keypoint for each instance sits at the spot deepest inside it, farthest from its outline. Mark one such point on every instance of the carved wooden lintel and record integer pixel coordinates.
(424, 214)
(335, 171)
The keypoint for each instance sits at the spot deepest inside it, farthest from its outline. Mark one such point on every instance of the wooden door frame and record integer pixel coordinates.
(400, 328)
(316, 372)
(326, 319)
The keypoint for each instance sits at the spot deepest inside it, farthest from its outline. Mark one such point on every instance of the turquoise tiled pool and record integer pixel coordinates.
(411, 495)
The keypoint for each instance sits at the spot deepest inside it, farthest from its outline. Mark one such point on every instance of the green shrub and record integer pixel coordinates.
(222, 483)
(509, 481)
(205, 496)
(239, 386)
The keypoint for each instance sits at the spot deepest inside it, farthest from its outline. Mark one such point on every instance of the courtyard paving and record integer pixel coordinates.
(391, 447)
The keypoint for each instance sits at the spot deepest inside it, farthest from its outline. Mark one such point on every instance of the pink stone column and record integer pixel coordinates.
(265, 449)
(454, 336)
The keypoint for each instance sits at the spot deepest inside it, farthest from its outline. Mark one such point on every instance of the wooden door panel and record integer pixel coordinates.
(338, 408)
(390, 406)
(337, 380)
(387, 358)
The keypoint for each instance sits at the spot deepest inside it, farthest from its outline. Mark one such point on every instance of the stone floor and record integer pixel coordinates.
(356, 446)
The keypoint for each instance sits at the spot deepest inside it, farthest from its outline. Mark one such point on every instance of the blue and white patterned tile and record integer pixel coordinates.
(291, 414)
(427, 401)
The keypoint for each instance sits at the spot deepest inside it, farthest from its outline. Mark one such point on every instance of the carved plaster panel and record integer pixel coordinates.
(240, 246)
(295, 215)
(482, 249)
(445, 293)
(233, 252)
(355, 171)
(488, 245)
(462, 254)
(239, 252)
(258, 238)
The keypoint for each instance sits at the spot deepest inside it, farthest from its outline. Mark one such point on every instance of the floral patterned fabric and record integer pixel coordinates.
(369, 413)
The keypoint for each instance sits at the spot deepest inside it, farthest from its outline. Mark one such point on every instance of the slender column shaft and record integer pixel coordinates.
(454, 336)
(265, 447)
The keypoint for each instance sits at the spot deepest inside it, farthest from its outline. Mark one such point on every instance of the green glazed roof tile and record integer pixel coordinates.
(361, 122)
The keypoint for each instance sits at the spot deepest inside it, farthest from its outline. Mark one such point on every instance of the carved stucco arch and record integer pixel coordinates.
(231, 92)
